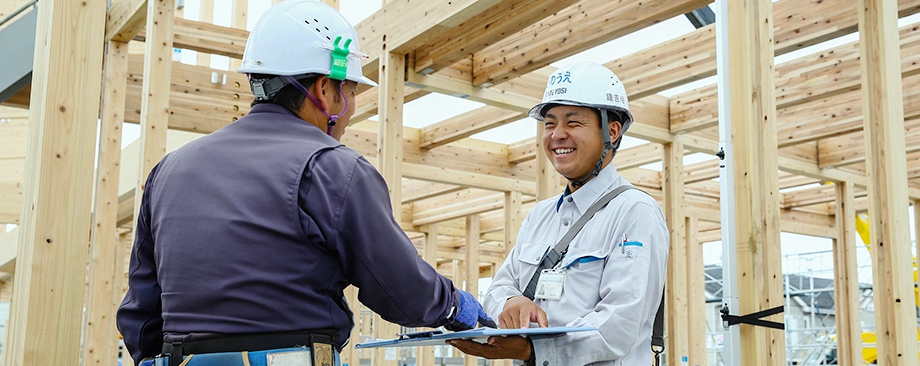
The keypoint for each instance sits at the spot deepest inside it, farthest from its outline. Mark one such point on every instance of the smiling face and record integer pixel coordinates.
(572, 140)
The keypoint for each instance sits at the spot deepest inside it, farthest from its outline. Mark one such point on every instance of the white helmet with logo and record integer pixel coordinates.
(587, 84)
(300, 37)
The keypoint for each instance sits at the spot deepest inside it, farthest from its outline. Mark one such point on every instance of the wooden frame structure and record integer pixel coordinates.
(461, 200)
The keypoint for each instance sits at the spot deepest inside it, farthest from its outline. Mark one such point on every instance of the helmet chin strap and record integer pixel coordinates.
(330, 123)
(608, 146)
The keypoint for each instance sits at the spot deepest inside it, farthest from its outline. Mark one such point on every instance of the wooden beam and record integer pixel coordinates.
(677, 340)
(568, 32)
(467, 179)
(416, 190)
(101, 340)
(693, 56)
(696, 295)
(124, 19)
(474, 203)
(846, 284)
(400, 28)
(462, 89)
(802, 80)
(759, 267)
(477, 33)
(465, 125)
(895, 315)
(850, 149)
(205, 37)
(52, 253)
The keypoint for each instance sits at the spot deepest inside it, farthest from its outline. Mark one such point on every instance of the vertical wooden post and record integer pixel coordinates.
(846, 286)
(206, 15)
(472, 268)
(124, 244)
(886, 163)
(753, 116)
(45, 319)
(155, 91)
(677, 341)
(389, 162)
(101, 344)
(512, 221)
(547, 180)
(239, 13)
(426, 354)
(696, 296)
(349, 355)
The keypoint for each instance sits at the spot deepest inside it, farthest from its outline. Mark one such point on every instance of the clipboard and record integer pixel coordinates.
(435, 338)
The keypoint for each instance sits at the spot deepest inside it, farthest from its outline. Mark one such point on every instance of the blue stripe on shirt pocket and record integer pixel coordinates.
(630, 244)
(584, 260)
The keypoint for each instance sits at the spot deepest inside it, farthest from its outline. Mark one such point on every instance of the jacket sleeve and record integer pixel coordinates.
(349, 202)
(630, 294)
(139, 317)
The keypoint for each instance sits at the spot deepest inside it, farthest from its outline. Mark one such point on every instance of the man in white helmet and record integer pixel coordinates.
(247, 237)
(608, 274)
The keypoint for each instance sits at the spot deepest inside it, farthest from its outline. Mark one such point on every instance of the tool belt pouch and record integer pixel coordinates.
(323, 352)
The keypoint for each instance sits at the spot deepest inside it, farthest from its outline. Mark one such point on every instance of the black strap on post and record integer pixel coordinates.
(555, 255)
(753, 318)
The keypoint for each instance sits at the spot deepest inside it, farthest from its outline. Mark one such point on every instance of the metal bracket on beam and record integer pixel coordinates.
(701, 17)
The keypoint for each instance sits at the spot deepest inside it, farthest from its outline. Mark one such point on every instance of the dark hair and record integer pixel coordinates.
(289, 96)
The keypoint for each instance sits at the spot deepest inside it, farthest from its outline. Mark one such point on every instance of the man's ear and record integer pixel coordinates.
(615, 129)
(318, 90)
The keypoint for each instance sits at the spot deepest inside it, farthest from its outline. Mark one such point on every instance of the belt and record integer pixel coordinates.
(248, 342)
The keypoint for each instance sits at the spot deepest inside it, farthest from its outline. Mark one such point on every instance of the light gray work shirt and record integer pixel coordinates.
(610, 286)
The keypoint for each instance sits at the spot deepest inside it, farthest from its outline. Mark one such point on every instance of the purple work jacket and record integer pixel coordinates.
(258, 227)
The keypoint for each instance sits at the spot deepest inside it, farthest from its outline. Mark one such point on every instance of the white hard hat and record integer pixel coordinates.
(585, 84)
(298, 37)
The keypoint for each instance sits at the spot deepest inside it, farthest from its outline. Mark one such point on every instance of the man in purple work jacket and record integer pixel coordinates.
(254, 231)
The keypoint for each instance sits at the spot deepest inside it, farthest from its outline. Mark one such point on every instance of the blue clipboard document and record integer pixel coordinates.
(437, 338)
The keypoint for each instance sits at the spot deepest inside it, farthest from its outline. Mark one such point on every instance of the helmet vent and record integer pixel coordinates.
(318, 28)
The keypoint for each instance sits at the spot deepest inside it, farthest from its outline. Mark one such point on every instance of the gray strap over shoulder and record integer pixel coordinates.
(555, 255)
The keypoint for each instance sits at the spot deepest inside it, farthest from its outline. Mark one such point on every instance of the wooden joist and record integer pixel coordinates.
(850, 148)
(465, 125)
(569, 31)
(467, 179)
(477, 33)
(124, 19)
(806, 79)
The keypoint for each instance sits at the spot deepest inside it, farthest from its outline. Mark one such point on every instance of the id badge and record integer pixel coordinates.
(549, 287)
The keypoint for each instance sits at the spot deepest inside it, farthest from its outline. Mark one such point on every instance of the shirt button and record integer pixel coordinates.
(545, 363)
(565, 223)
(569, 199)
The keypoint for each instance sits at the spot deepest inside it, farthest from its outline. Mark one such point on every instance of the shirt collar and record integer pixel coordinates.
(585, 196)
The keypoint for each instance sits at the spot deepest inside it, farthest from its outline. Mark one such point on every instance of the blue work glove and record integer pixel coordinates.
(468, 315)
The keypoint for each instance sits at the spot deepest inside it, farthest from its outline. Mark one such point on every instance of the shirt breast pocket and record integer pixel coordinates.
(584, 270)
(529, 259)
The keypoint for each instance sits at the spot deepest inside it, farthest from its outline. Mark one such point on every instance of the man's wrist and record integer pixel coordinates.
(533, 355)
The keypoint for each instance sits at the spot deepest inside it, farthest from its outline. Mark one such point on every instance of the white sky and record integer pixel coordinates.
(437, 107)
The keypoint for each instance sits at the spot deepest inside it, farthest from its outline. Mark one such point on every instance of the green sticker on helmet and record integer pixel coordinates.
(340, 59)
